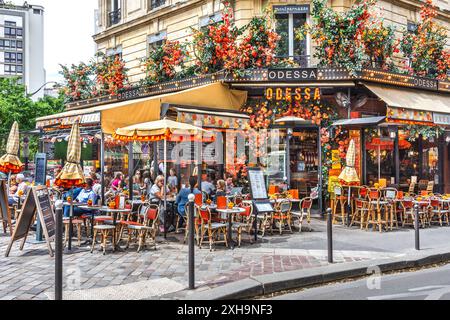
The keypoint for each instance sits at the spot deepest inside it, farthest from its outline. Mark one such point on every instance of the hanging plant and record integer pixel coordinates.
(426, 46)
(111, 74)
(379, 44)
(214, 46)
(165, 62)
(338, 36)
(257, 48)
(78, 83)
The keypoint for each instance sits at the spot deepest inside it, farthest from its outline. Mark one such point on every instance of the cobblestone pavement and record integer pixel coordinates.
(30, 274)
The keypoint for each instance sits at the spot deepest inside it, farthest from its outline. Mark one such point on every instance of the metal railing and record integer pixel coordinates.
(114, 17)
(302, 61)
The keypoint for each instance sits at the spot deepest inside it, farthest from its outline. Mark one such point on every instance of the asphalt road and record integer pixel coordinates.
(428, 284)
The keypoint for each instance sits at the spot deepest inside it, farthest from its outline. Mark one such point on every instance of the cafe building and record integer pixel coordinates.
(379, 110)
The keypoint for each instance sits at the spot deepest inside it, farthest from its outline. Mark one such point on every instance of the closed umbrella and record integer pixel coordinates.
(10, 162)
(349, 176)
(160, 130)
(72, 175)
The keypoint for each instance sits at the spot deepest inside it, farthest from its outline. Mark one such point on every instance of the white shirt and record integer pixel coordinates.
(23, 187)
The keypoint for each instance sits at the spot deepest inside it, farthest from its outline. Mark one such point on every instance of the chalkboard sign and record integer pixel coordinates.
(37, 200)
(40, 171)
(5, 216)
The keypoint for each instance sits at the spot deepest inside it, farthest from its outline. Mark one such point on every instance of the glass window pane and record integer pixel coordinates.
(282, 28)
(299, 45)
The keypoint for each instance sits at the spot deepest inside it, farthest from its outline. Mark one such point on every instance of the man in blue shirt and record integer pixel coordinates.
(85, 194)
(182, 197)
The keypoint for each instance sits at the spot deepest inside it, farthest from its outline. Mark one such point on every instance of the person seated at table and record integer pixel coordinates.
(207, 186)
(229, 185)
(172, 179)
(156, 194)
(117, 182)
(221, 188)
(22, 189)
(182, 198)
(84, 195)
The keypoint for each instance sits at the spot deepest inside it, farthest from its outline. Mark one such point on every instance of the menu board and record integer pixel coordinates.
(4, 208)
(37, 200)
(40, 170)
(257, 183)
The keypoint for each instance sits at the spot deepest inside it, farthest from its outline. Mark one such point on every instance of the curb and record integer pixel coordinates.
(298, 279)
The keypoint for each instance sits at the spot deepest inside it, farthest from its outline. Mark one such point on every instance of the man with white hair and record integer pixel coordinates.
(22, 189)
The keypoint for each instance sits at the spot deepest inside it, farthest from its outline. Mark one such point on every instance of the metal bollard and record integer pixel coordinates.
(416, 226)
(330, 235)
(58, 249)
(191, 240)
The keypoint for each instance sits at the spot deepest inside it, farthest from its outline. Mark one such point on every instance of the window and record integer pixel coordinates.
(289, 19)
(7, 43)
(10, 23)
(210, 20)
(7, 68)
(19, 57)
(114, 15)
(156, 40)
(115, 52)
(19, 69)
(13, 44)
(156, 3)
(37, 11)
(19, 44)
(19, 32)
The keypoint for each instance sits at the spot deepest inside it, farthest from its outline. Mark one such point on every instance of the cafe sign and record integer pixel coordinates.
(292, 74)
(441, 118)
(290, 94)
(303, 8)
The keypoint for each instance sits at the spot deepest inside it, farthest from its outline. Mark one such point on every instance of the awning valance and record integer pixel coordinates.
(120, 114)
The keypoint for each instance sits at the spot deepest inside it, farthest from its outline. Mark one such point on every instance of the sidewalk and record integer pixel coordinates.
(163, 274)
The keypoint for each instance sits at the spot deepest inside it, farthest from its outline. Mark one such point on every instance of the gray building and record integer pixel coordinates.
(22, 45)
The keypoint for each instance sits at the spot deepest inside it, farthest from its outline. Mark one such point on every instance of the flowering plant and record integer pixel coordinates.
(111, 75)
(338, 35)
(164, 62)
(78, 83)
(426, 46)
(379, 43)
(214, 46)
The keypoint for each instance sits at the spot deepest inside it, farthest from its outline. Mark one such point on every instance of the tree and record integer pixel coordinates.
(16, 105)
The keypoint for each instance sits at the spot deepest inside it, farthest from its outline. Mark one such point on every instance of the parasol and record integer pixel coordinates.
(71, 174)
(349, 176)
(160, 130)
(10, 163)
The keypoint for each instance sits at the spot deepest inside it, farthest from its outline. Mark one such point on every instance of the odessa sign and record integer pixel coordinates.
(300, 74)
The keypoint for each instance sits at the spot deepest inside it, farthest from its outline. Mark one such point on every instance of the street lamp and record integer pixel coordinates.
(57, 85)
(26, 151)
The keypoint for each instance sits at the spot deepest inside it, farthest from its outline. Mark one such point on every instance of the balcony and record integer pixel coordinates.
(114, 17)
(156, 3)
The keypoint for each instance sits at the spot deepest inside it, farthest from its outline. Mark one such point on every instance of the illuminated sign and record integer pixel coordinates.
(289, 94)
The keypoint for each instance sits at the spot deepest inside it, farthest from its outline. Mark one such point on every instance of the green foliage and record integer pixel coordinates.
(16, 105)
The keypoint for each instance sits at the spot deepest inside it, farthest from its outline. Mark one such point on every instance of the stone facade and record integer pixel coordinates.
(129, 26)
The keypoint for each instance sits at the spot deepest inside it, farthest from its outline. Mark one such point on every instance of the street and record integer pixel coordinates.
(428, 284)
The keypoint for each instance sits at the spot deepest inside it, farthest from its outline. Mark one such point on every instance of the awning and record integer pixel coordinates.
(121, 114)
(411, 99)
(359, 122)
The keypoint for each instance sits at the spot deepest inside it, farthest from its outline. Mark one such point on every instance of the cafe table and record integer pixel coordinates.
(229, 212)
(114, 212)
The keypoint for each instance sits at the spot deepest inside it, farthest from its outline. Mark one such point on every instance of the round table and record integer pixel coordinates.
(229, 213)
(114, 213)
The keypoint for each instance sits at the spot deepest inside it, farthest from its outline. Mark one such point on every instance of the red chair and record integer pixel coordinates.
(214, 229)
(437, 210)
(305, 211)
(245, 222)
(147, 225)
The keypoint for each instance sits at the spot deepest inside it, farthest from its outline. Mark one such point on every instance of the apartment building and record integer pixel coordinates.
(131, 27)
(22, 45)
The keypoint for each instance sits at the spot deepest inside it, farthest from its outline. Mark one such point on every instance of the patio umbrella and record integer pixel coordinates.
(10, 163)
(349, 176)
(160, 130)
(71, 174)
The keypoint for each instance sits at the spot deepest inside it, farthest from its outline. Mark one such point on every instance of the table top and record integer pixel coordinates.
(90, 207)
(234, 210)
(75, 204)
(106, 209)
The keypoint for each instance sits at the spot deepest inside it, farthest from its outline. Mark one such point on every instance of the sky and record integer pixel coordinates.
(68, 29)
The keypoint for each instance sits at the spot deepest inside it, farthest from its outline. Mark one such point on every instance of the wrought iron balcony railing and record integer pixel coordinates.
(156, 3)
(114, 17)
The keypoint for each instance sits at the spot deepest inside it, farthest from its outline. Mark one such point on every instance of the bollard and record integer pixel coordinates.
(58, 249)
(330, 235)
(191, 231)
(416, 226)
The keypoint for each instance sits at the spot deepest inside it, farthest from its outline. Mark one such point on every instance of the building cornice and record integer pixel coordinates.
(145, 19)
(417, 4)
